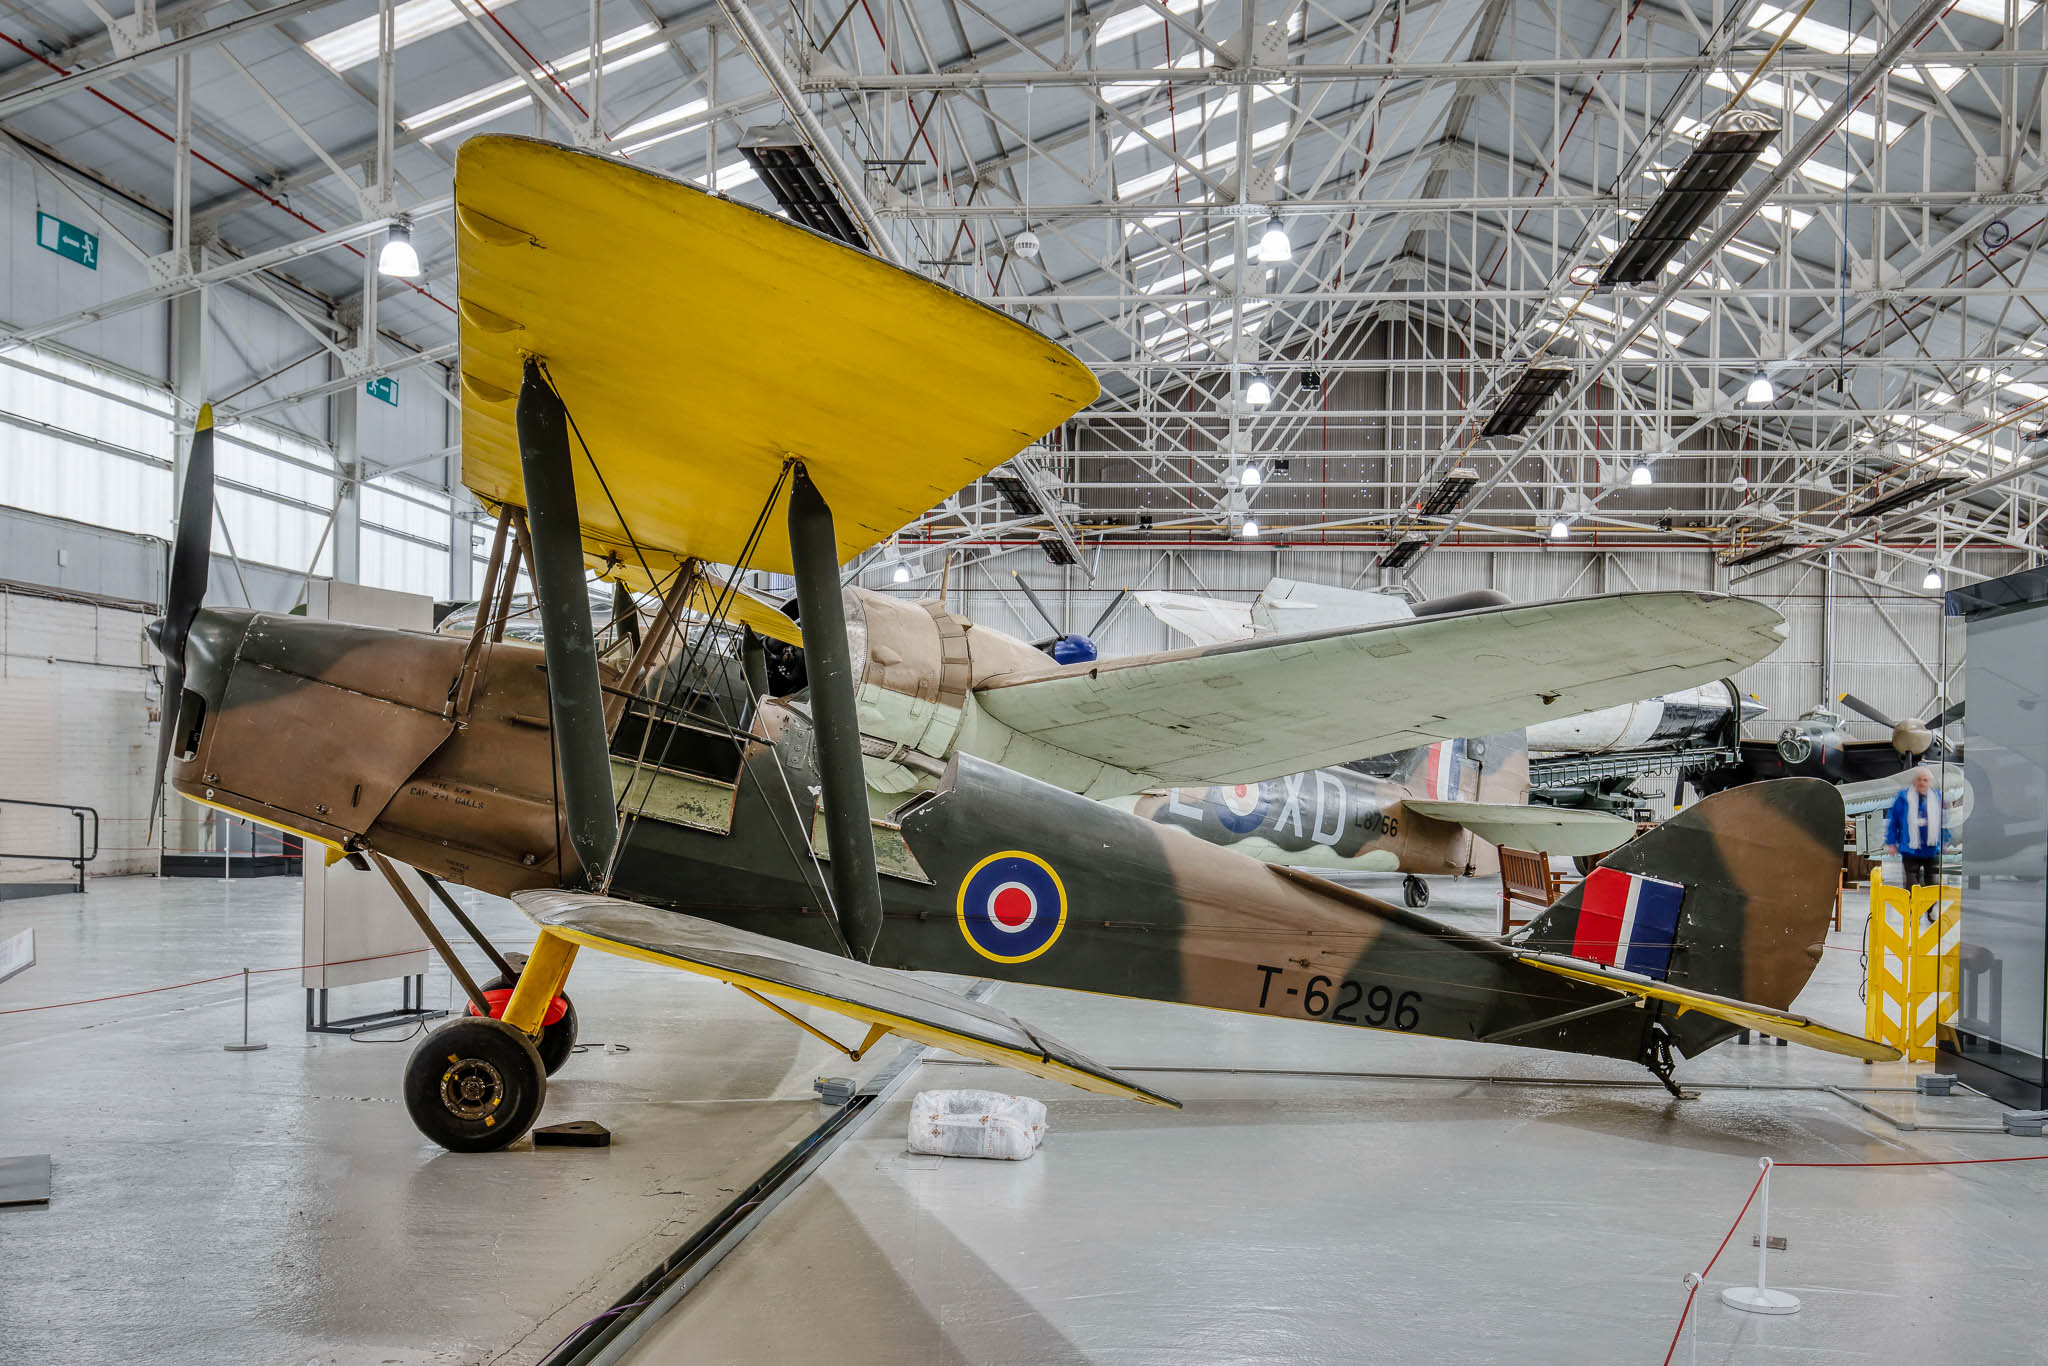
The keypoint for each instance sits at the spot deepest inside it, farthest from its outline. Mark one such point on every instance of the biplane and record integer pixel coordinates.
(736, 391)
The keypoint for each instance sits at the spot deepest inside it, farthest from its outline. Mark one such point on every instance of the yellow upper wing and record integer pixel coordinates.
(699, 343)
(741, 607)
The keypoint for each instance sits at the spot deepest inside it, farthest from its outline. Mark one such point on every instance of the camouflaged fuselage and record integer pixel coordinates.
(355, 736)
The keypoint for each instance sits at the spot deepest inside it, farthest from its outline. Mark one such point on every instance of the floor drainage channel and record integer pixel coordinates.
(608, 1337)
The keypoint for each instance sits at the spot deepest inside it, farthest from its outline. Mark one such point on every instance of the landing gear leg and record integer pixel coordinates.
(558, 1028)
(1657, 1057)
(1414, 892)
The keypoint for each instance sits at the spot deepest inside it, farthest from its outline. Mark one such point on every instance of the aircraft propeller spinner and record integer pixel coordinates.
(1910, 737)
(1065, 647)
(191, 554)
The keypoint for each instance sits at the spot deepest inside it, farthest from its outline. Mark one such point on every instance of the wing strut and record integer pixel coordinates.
(575, 702)
(814, 552)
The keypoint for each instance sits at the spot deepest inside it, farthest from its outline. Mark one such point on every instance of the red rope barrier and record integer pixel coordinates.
(1931, 1162)
(202, 981)
(1700, 1279)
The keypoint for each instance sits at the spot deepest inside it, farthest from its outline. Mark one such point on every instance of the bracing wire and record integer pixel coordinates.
(804, 867)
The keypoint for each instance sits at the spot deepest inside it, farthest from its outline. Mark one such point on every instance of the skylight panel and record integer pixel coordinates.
(1222, 156)
(518, 98)
(1774, 97)
(1120, 91)
(1781, 215)
(1136, 19)
(1180, 279)
(1827, 38)
(1608, 316)
(728, 177)
(1993, 11)
(1161, 130)
(353, 44)
(561, 66)
(667, 118)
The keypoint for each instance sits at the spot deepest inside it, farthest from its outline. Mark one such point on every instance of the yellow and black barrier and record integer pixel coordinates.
(1914, 964)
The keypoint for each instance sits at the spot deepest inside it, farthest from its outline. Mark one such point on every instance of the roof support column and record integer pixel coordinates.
(814, 548)
(345, 413)
(575, 701)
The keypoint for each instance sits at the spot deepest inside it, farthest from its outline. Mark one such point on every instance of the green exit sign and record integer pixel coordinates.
(68, 240)
(383, 388)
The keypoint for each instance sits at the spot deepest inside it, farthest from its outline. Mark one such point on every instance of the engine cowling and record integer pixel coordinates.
(918, 666)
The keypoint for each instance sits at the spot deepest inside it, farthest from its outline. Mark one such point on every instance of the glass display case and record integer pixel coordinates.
(1995, 1042)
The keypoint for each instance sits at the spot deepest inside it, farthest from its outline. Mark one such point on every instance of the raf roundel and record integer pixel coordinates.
(1012, 906)
(1241, 807)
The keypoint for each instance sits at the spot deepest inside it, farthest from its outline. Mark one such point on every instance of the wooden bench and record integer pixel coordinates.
(1527, 877)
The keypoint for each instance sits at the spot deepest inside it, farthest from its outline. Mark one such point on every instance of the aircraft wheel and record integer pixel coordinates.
(1414, 892)
(558, 1040)
(474, 1085)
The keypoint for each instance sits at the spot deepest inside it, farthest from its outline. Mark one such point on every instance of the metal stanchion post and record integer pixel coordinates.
(1760, 1298)
(245, 1046)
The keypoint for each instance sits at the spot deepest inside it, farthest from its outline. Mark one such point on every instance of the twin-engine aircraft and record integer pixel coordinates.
(647, 796)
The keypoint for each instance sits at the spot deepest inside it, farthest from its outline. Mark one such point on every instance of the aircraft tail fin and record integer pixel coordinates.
(1504, 768)
(1731, 897)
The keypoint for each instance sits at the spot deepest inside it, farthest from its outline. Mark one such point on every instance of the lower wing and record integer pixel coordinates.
(881, 997)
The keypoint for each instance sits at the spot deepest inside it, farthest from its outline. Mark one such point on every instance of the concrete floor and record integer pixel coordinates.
(1291, 1219)
(279, 1206)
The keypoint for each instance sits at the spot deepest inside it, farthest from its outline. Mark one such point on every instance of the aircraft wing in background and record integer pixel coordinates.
(1558, 830)
(1257, 709)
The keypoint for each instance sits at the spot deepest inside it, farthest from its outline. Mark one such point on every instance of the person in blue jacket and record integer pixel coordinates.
(1916, 828)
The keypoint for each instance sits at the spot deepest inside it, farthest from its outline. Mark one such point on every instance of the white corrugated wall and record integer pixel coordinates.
(76, 725)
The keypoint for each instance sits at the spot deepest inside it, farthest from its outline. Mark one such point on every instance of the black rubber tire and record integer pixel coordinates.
(474, 1085)
(1414, 892)
(558, 1040)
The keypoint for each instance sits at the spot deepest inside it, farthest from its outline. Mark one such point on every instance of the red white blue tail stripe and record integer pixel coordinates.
(1628, 921)
(1443, 770)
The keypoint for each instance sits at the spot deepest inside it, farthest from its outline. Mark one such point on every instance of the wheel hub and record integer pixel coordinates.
(471, 1088)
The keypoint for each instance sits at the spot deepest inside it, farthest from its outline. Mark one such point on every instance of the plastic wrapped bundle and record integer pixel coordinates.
(976, 1124)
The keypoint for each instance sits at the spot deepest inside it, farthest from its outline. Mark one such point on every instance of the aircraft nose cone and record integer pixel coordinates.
(155, 633)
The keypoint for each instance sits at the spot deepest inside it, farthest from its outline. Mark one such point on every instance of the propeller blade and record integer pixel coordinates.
(1946, 717)
(191, 557)
(1108, 612)
(1865, 710)
(1038, 606)
(174, 692)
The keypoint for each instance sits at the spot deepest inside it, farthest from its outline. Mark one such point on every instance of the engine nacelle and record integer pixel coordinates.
(916, 669)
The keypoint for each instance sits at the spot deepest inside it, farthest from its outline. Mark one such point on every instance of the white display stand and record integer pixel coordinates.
(356, 929)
